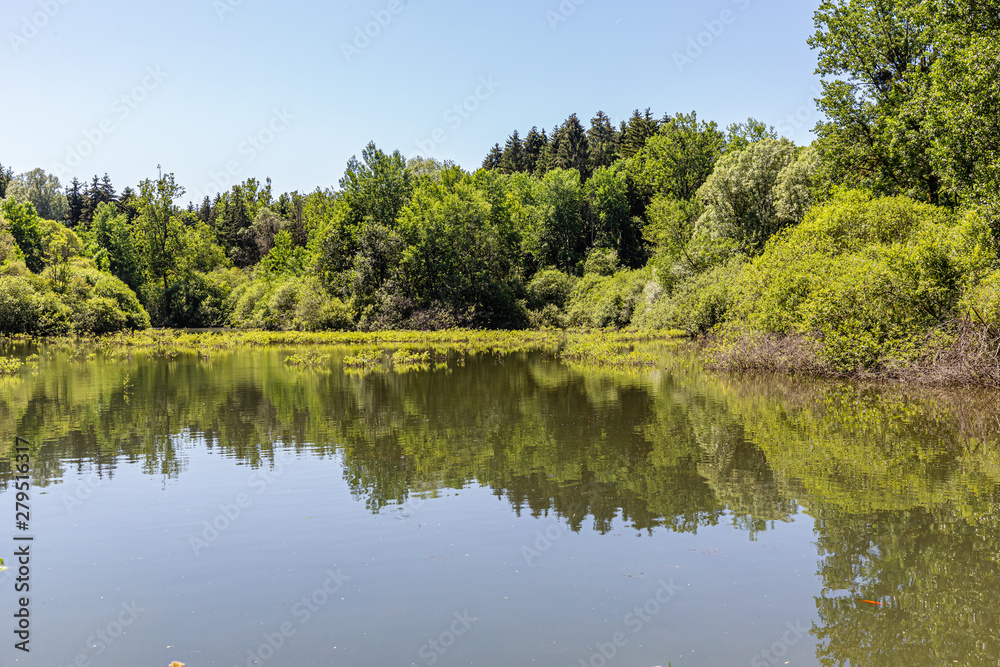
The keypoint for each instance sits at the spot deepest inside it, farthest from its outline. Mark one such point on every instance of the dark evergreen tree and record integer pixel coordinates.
(492, 160)
(75, 198)
(290, 208)
(107, 190)
(641, 126)
(91, 198)
(534, 144)
(205, 210)
(6, 175)
(573, 151)
(512, 160)
(129, 204)
(603, 140)
(547, 158)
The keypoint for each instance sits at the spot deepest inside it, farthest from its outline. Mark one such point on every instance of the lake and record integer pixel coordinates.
(492, 508)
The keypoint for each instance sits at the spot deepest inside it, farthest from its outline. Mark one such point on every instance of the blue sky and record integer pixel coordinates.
(218, 91)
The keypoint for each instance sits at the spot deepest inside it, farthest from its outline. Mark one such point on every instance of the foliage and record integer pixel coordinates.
(607, 301)
(739, 195)
(868, 278)
(601, 262)
(42, 191)
(678, 159)
(698, 304)
(551, 287)
(288, 304)
(23, 223)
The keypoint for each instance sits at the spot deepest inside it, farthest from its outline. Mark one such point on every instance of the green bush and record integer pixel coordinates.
(316, 310)
(982, 303)
(867, 278)
(607, 301)
(250, 310)
(290, 304)
(18, 305)
(698, 304)
(135, 316)
(551, 286)
(102, 315)
(601, 262)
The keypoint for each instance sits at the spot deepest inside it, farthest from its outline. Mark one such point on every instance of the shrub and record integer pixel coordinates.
(250, 308)
(18, 305)
(867, 278)
(698, 304)
(135, 316)
(982, 303)
(550, 286)
(102, 315)
(601, 262)
(318, 311)
(607, 301)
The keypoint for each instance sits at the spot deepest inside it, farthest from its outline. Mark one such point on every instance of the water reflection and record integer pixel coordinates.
(903, 485)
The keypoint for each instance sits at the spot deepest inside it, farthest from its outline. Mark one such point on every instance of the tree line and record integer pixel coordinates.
(665, 221)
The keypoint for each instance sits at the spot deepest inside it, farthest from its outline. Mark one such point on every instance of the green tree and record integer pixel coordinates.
(377, 187)
(534, 145)
(604, 141)
(739, 195)
(512, 160)
(492, 160)
(6, 176)
(121, 245)
(965, 121)
(879, 57)
(573, 149)
(236, 211)
(43, 191)
(678, 159)
(75, 200)
(22, 220)
(611, 225)
(741, 135)
(558, 236)
(161, 230)
(456, 259)
(639, 129)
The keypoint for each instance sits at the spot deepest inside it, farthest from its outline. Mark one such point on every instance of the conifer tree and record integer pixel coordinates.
(75, 199)
(603, 140)
(534, 144)
(573, 151)
(492, 160)
(641, 126)
(513, 155)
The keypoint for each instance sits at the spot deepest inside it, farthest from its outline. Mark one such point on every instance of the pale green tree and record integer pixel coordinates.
(739, 196)
(43, 191)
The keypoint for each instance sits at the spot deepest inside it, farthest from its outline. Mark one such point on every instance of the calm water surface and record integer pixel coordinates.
(496, 510)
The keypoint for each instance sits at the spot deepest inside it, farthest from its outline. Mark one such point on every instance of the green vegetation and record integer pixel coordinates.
(873, 250)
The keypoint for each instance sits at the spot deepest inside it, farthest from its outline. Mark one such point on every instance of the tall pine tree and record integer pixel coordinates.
(492, 160)
(573, 151)
(6, 176)
(604, 141)
(534, 144)
(75, 199)
(641, 126)
(512, 160)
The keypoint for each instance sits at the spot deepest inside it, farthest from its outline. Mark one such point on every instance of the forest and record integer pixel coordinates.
(872, 249)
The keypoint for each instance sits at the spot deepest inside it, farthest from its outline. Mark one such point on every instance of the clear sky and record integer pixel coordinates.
(218, 91)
